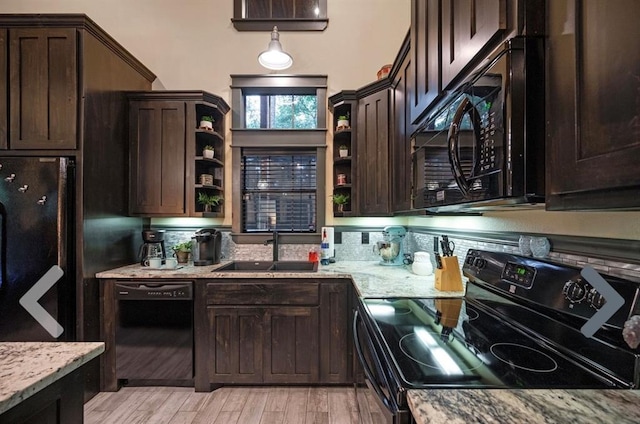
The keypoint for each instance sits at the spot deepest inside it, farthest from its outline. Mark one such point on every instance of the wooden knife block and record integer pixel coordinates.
(448, 278)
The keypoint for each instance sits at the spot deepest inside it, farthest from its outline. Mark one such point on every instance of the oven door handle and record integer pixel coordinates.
(365, 365)
(454, 140)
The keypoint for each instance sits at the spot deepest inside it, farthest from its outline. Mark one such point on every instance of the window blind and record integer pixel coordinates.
(278, 191)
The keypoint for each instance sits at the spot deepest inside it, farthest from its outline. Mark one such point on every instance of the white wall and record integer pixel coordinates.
(191, 44)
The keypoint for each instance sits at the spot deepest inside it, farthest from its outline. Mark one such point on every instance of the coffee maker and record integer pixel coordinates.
(152, 246)
(207, 247)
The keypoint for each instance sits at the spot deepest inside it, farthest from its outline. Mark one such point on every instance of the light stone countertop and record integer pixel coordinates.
(28, 367)
(522, 406)
(441, 405)
(371, 279)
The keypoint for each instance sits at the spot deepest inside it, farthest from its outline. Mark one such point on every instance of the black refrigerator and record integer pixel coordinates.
(36, 235)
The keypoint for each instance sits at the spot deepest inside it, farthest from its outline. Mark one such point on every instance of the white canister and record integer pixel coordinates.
(422, 264)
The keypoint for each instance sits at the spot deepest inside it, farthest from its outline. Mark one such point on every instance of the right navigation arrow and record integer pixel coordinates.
(613, 301)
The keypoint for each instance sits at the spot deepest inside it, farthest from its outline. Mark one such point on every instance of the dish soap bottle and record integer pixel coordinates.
(324, 249)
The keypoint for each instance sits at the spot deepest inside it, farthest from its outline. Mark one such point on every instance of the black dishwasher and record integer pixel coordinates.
(154, 333)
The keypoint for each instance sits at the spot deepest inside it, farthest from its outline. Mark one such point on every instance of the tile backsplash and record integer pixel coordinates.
(351, 248)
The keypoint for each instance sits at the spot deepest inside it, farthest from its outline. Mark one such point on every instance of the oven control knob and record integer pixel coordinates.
(480, 263)
(595, 299)
(575, 291)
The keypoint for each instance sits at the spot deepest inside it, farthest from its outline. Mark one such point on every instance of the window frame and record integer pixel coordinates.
(289, 24)
(281, 139)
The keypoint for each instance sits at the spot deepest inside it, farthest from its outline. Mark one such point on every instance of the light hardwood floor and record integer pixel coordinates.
(229, 405)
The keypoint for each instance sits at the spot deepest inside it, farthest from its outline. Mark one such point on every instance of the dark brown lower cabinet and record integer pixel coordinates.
(235, 345)
(59, 403)
(263, 345)
(335, 333)
(272, 331)
(291, 345)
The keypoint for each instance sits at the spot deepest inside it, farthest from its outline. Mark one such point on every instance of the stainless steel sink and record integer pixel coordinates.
(268, 266)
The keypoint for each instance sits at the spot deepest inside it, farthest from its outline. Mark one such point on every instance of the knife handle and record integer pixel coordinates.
(438, 261)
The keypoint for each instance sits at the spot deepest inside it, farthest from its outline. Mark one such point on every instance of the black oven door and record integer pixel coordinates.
(389, 396)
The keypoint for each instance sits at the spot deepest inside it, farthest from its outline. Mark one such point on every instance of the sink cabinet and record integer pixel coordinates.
(272, 331)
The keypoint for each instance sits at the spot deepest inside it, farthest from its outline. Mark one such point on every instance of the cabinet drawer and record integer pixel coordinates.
(263, 293)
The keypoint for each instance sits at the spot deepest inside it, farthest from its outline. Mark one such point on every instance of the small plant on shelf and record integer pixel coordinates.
(340, 199)
(343, 122)
(208, 152)
(206, 123)
(344, 151)
(209, 200)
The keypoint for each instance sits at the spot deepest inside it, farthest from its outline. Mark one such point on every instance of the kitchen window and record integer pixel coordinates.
(287, 15)
(285, 111)
(279, 156)
(279, 191)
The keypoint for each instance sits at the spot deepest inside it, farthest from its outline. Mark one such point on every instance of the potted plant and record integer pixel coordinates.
(209, 200)
(208, 152)
(343, 122)
(340, 199)
(206, 123)
(344, 151)
(182, 251)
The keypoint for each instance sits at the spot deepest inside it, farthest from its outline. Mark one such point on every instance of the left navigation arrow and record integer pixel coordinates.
(30, 301)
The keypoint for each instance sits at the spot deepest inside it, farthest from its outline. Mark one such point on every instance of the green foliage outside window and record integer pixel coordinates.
(281, 111)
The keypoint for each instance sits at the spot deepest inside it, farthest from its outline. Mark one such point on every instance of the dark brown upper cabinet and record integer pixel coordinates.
(43, 89)
(467, 27)
(367, 169)
(344, 105)
(425, 56)
(593, 106)
(3, 89)
(287, 15)
(169, 170)
(400, 149)
(373, 148)
(158, 157)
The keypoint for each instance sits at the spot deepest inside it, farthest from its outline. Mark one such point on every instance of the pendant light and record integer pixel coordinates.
(274, 57)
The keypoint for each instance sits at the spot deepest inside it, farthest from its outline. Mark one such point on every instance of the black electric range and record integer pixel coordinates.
(519, 325)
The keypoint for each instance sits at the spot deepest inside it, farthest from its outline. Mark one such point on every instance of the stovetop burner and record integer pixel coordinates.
(523, 357)
(518, 325)
(463, 343)
(472, 314)
(413, 345)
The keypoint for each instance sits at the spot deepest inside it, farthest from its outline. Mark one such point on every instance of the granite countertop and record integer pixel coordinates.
(371, 279)
(441, 405)
(524, 406)
(28, 367)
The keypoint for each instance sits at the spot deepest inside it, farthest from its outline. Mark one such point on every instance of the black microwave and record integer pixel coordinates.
(483, 147)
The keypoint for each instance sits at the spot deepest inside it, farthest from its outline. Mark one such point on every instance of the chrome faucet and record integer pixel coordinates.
(273, 240)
